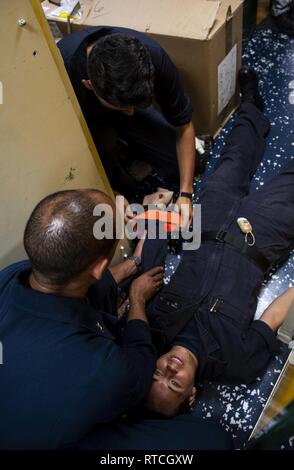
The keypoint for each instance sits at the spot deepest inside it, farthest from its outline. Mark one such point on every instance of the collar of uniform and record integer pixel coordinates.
(209, 343)
(56, 307)
(80, 55)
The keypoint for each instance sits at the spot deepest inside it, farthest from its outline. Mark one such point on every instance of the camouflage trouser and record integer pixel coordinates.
(281, 6)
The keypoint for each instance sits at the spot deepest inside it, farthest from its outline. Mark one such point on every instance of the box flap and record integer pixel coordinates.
(189, 18)
(223, 13)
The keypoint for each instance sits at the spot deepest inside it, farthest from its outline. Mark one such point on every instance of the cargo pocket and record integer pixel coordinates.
(214, 366)
(227, 311)
(171, 311)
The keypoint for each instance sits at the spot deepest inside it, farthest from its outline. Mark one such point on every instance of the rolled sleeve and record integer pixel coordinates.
(184, 115)
(103, 294)
(136, 331)
(250, 352)
(109, 279)
(267, 334)
(175, 105)
(127, 371)
(138, 350)
(138, 360)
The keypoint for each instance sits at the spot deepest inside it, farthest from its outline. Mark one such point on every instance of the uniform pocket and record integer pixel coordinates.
(227, 311)
(214, 368)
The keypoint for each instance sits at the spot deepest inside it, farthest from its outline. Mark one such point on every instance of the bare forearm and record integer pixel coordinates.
(137, 310)
(186, 156)
(142, 289)
(277, 311)
(123, 270)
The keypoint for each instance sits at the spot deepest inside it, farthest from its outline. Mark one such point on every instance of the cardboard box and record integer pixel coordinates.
(202, 37)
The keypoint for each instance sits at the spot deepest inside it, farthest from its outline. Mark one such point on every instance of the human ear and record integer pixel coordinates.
(99, 267)
(192, 396)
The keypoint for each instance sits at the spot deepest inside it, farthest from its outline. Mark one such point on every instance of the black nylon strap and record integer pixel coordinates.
(187, 195)
(251, 251)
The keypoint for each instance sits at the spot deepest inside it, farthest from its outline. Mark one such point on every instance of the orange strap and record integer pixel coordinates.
(171, 220)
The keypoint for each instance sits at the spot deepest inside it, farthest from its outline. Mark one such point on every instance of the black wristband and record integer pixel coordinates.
(187, 195)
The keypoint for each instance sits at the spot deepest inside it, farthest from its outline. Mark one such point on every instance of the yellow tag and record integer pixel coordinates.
(246, 227)
(244, 224)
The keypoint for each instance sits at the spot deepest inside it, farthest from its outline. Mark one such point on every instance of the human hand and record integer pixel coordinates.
(128, 213)
(184, 206)
(145, 286)
(139, 247)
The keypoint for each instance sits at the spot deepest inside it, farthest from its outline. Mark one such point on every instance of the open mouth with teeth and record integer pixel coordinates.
(177, 360)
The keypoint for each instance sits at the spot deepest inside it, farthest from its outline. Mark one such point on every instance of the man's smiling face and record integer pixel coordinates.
(173, 381)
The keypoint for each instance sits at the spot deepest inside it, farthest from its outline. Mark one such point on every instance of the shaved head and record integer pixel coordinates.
(59, 238)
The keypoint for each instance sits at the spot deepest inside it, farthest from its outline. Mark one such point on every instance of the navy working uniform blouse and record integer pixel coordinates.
(66, 364)
(175, 105)
(208, 307)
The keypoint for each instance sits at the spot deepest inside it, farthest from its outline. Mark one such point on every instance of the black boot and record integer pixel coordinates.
(248, 84)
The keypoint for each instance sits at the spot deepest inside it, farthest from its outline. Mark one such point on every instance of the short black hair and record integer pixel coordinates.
(158, 412)
(59, 238)
(121, 70)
